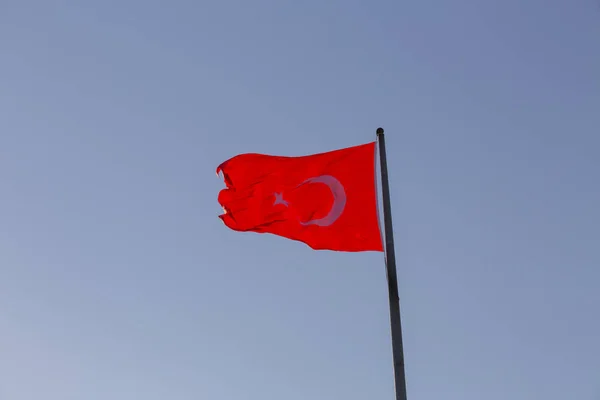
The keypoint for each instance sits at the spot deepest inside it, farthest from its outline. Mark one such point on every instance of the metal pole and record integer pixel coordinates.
(390, 263)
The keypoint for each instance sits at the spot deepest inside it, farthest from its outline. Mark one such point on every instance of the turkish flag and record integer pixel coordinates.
(327, 200)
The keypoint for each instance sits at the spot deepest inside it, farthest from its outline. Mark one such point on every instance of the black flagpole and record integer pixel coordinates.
(390, 263)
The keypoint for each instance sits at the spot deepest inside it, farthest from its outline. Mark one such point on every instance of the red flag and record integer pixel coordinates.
(327, 200)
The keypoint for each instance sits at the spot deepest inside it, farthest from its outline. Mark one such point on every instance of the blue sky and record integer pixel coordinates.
(118, 281)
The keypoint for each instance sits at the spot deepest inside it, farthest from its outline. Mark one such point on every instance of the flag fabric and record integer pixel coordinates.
(327, 200)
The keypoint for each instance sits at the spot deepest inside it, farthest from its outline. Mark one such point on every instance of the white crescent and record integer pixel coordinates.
(339, 200)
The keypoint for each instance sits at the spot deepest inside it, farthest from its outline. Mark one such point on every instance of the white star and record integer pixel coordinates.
(279, 200)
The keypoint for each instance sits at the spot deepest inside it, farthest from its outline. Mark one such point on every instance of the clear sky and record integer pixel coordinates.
(118, 281)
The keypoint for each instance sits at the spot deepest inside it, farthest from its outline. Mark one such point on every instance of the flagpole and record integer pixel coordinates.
(392, 279)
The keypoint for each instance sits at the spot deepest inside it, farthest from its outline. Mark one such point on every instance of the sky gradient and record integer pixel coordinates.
(118, 281)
